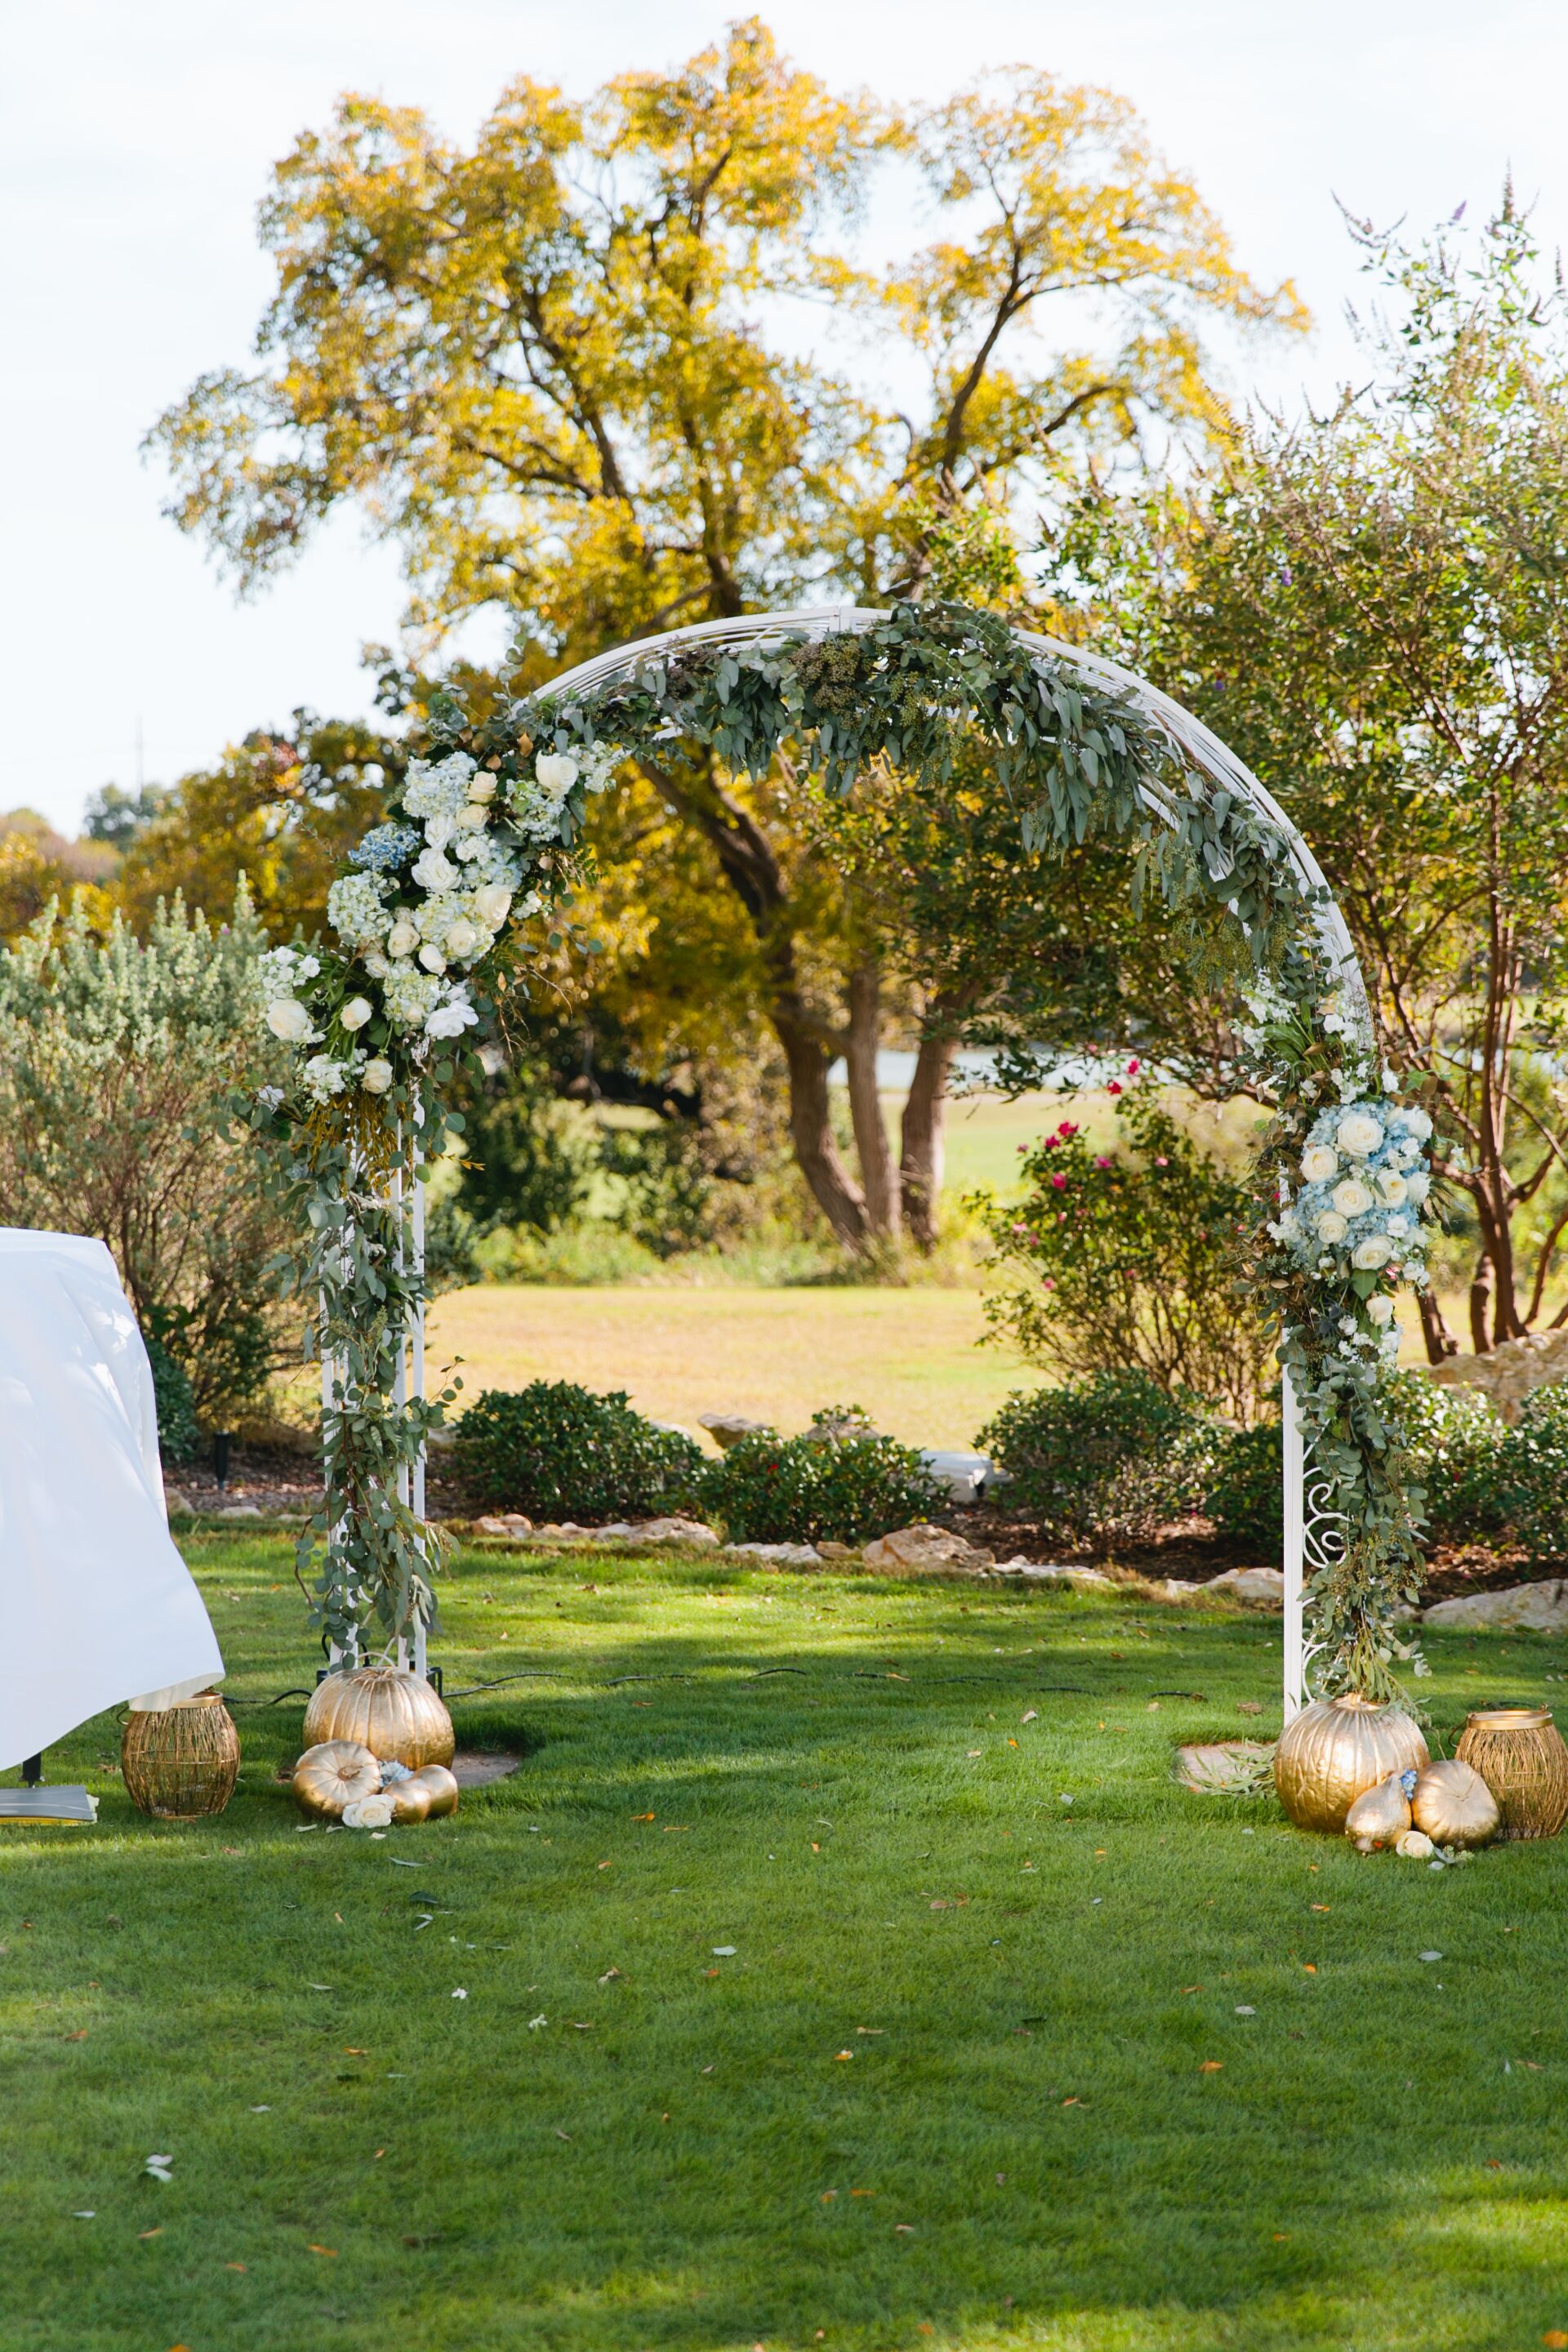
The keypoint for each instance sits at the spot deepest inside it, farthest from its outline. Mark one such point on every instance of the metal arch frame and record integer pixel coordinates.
(1313, 1534)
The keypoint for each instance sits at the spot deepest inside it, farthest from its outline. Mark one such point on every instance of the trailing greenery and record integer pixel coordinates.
(839, 1483)
(1134, 1256)
(555, 1451)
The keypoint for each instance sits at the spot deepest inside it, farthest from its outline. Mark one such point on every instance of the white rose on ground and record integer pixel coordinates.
(492, 904)
(287, 1018)
(1331, 1227)
(1318, 1163)
(1415, 1846)
(432, 959)
(1376, 1251)
(451, 1020)
(1352, 1198)
(1393, 1187)
(1359, 1134)
(556, 772)
(433, 871)
(357, 1013)
(376, 1075)
(1381, 1311)
(374, 1813)
(403, 937)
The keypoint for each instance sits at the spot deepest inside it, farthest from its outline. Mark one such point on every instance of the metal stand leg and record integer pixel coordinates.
(32, 1772)
(1295, 1546)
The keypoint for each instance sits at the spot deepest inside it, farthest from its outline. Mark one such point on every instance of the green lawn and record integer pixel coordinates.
(948, 2089)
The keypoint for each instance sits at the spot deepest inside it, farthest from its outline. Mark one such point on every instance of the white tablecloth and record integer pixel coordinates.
(96, 1604)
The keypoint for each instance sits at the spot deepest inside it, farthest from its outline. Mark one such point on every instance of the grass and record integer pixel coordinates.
(948, 2089)
(909, 1357)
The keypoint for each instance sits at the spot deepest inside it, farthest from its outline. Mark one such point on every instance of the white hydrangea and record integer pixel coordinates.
(323, 1077)
(437, 787)
(356, 909)
(410, 996)
(451, 1020)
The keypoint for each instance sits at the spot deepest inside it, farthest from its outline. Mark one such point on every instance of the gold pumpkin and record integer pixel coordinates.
(1454, 1805)
(1335, 1748)
(1380, 1815)
(332, 1774)
(410, 1799)
(437, 1785)
(398, 1716)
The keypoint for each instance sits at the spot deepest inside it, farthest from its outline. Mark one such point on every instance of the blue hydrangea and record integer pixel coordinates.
(385, 848)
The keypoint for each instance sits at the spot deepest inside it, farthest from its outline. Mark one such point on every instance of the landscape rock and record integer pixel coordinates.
(783, 1555)
(176, 1500)
(1036, 1571)
(1510, 1373)
(240, 1511)
(567, 1534)
(926, 1550)
(508, 1523)
(1540, 1608)
(965, 1475)
(1251, 1584)
(837, 1552)
(727, 1429)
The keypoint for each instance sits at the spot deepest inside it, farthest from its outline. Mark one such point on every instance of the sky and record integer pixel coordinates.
(135, 143)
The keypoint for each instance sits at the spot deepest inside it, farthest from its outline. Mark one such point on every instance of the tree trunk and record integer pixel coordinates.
(1440, 1341)
(884, 1214)
(832, 1188)
(923, 1141)
(1480, 1299)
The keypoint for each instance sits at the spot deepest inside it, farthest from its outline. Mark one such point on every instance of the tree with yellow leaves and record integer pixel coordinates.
(596, 373)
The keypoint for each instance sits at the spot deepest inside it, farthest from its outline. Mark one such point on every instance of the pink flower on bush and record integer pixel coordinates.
(1114, 1088)
(1133, 1067)
(1102, 1159)
(1058, 1183)
(1160, 1161)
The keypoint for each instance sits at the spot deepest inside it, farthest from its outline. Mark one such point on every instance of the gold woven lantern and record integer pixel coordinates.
(398, 1716)
(1336, 1747)
(1519, 1753)
(181, 1762)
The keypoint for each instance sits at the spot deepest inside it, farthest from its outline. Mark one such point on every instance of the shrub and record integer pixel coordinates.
(1484, 1479)
(178, 1434)
(557, 1451)
(840, 1483)
(1243, 1488)
(1113, 1456)
(1133, 1256)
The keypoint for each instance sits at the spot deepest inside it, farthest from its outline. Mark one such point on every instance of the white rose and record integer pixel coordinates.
(1376, 1251)
(1393, 1187)
(1331, 1227)
(432, 871)
(1417, 1187)
(1415, 1123)
(439, 831)
(482, 787)
(492, 904)
(374, 1813)
(1381, 1309)
(376, 963)
(376, 1075)
(432, 959)
(451, 1020)
(462, 939)
(1359, 1134)
(357, 1013)
(1415, 1846)
(1352, 1198)
(556, 772)
(287, 1018)
(472, 816)
(403, 937)
(1318, 1163)
(352, 1815)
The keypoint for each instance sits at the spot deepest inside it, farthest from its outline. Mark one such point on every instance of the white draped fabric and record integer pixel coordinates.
(96, 1604)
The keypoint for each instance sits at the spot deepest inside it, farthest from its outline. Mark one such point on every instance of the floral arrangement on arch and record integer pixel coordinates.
(483, 834)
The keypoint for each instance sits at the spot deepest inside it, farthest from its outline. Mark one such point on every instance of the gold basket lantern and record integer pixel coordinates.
(1519, 1753)
(181, 1762)
(399, 1716)
(1336, 1747)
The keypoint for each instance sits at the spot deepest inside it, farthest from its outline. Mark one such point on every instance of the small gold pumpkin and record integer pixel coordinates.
(398, 1716)
(437, 1784)
(410, 1799)
(1335, 1748)
(1454, 1805)
(1380, 1815)
(332, 1774)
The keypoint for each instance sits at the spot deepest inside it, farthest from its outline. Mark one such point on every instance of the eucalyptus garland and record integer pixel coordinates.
(442, 907)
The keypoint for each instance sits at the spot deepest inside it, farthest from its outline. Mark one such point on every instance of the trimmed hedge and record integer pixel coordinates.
(1108, 1458)
(842, 1487)
(556, 1450)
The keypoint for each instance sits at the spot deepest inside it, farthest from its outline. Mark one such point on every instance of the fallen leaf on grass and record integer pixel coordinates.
(315, 1987)
(1074, 2102)
(1557, 2337)
(1321, 1906)
(601, 1865)
(234, 2266)
(1248, 1706)
(862, 2192)
(903, 2229)
(725, 1951)
(81, 2036)
(844, 2053)
(870, 2029)
(972, 1751)
(561, 2135)
(1309, 1967)
(350, 2052)
(1210, 2066)
(330, 2251)
(1033, 1716)
(713, 1972)
(151, 2233)
(608, 1974)
(645, 1817)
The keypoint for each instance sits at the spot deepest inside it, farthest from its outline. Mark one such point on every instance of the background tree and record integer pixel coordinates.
(576, 372)
(1373, 608)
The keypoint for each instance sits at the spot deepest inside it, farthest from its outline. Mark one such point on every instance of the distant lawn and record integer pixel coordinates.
(948, 2089)
(910, 1356)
